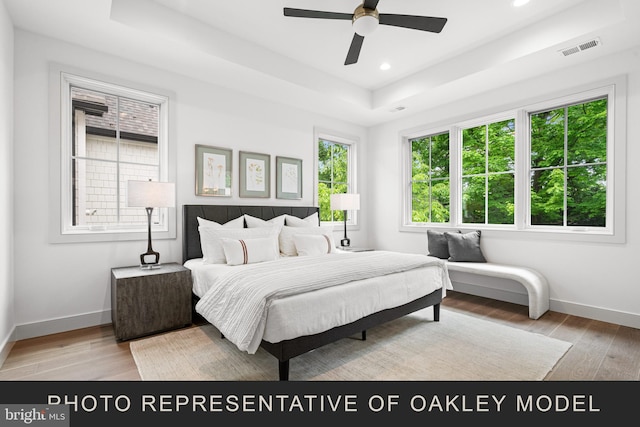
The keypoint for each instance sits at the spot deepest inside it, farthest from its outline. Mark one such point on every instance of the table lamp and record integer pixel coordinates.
(149, 195)
(345, 202)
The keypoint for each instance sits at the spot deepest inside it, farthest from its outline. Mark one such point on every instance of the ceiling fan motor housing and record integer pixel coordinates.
(365, 21)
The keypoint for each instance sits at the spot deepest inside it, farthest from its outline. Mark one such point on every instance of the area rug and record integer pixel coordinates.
(458, 348)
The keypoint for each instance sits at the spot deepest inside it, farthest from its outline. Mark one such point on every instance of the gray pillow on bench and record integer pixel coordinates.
(464, 247)
(437, 244)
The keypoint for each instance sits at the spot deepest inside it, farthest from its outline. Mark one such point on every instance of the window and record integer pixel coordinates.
(488, 173)
(569, 165)
(110, 134)
(544, 168)
(336, 174)
(430, 178)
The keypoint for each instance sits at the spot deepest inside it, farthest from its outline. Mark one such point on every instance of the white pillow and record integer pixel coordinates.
(234, 223)
(309, 245)
(253, 222)
(211, 244)
(287, 244)
(249, 251)
(294, 221)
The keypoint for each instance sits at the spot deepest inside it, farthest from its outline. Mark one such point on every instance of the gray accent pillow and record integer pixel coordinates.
(437, 244)
(464, 247)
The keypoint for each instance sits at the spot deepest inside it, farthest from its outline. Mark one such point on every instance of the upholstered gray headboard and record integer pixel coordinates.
(222, 213)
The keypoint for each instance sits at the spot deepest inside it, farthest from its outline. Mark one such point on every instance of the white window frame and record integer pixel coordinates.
(614, 231)
(582, 97)
(61, 230)
(456, 160)
(352, 167)
(407, 178)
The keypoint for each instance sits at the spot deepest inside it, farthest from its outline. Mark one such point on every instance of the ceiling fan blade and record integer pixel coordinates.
(354, 49)
(304, 13)
(424, 23)
(370, 4)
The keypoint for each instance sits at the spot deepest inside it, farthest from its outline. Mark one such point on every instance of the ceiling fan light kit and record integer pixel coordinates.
(365, 19)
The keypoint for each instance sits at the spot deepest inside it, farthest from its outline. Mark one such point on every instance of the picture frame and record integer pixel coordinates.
(288, 178)
(255, 174)
(213, 171)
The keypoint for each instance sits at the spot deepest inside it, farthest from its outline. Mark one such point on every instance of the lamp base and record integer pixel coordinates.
(345, 243)
(150, 259)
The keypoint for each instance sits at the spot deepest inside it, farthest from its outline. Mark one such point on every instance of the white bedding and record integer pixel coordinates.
(319, 308)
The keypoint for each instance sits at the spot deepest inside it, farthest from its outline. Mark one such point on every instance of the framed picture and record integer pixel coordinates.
(288, 178)
(213, 171)
(255, 174)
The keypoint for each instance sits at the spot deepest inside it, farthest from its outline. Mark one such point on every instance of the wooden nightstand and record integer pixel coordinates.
(146, 301)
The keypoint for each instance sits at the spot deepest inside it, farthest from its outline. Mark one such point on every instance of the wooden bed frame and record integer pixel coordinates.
(288, 349)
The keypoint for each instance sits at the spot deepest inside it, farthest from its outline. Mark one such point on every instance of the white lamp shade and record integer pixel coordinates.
(150, 194)
(345, 202)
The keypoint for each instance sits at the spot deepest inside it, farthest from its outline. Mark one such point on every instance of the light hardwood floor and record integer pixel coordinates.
(601, 351)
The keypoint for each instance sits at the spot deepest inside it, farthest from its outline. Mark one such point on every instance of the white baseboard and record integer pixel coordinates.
(6, 347)
(596, 313)
(590, 312)
(54, 326)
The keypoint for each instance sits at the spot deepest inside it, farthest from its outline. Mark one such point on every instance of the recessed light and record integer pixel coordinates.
(385, 66)
(518, 3)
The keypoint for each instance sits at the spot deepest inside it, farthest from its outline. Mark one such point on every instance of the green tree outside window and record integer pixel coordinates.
(488, 173)
(333, 176)
(430, 194)
(569, 165)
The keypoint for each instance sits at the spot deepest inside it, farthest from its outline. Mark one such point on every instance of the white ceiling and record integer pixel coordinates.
(249, 45)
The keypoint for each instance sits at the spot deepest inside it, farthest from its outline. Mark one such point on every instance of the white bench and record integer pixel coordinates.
(535, 283)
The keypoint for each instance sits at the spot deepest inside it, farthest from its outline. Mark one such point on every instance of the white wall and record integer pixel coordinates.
(6, 182)
(593, 280)
(66, 286)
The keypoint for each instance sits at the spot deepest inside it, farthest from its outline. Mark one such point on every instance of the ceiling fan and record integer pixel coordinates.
(365, 20)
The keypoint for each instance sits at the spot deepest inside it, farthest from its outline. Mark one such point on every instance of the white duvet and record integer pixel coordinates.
(296, 296)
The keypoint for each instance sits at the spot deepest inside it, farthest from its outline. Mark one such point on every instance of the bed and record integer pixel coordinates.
(299, 303)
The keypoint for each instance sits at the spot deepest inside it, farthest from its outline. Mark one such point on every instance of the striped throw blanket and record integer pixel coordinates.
(237, 304)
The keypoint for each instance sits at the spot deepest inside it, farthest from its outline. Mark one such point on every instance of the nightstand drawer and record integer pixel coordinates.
(146, 301)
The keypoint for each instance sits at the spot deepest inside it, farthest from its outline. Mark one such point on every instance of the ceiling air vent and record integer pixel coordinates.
(582, 46)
